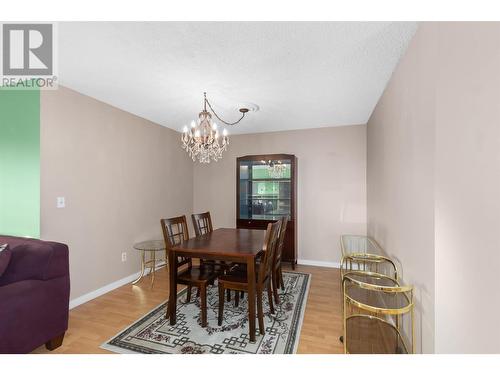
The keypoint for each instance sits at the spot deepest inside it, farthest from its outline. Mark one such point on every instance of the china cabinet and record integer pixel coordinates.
(266, 190)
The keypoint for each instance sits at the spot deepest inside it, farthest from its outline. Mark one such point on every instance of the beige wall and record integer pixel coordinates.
(119, 174)
(331, 184)
(434, 180)
(400, 178)
(468, 188)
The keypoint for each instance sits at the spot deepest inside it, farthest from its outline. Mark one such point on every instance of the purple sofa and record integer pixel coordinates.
(34, 295)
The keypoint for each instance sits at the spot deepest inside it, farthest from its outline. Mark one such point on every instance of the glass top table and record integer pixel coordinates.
(151, 247)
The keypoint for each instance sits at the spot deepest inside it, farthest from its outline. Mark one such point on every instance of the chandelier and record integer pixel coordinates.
(202, 140)
(276, 168)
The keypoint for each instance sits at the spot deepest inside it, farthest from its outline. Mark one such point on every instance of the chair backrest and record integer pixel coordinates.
(175, 231)
(281, 241)
(202, 223)
(270, 245)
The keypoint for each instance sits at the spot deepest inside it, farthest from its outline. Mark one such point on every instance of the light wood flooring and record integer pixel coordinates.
(96, 321)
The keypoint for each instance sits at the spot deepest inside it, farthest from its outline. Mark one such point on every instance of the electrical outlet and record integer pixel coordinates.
(124, 257)
(61, 202)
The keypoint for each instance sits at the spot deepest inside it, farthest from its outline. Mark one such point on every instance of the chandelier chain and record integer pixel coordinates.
(221, 120)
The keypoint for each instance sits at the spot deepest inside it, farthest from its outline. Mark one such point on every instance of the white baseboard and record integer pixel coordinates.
(318, 263)
(108, 288)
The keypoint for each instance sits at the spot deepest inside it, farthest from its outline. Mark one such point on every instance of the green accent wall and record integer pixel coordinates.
(20, 162)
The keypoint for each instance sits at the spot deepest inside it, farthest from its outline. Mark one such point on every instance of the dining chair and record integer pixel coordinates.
(238, 281)
(175, 231)
(277, 274)
(202, 223)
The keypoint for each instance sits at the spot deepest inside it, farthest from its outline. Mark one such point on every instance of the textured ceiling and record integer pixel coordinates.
(301, 75)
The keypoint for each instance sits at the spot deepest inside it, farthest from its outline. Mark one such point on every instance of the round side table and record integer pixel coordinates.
(151, 247)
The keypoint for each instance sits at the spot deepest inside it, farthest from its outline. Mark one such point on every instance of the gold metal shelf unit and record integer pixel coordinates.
(375, 306)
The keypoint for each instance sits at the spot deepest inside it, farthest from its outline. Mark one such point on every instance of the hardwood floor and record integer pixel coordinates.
(96, 321)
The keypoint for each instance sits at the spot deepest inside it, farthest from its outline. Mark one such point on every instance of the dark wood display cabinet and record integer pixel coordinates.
(266, 190)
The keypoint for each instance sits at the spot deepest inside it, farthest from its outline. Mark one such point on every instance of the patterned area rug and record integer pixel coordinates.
(153, 334)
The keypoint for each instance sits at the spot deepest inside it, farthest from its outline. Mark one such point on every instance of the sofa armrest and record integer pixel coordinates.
(36, 260)
(59, 262)
(32, 312)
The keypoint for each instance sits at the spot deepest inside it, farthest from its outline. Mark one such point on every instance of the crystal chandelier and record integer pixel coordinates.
(276, 168)
(202, 140)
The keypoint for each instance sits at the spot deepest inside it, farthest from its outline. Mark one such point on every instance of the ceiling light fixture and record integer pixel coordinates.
(202, 140)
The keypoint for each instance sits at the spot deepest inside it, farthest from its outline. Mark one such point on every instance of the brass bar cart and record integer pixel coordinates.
(363, 254)
(374, 311)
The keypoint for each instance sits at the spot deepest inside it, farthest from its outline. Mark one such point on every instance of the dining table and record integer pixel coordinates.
(224, 244)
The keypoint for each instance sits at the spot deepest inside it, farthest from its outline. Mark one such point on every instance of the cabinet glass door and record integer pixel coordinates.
(265, 189)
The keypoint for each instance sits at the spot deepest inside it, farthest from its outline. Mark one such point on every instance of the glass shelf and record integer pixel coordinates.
(377, 302)
(371, 280)
(368, 334)
(353, 245)
(377, 293)
(365, 254)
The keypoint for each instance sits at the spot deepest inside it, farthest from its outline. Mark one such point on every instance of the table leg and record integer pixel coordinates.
(172, 298)
(143, 261)
(153, 268)
(251, 297)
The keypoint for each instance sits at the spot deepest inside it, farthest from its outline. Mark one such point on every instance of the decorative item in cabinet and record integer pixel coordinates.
(266, 190)
(375, 309)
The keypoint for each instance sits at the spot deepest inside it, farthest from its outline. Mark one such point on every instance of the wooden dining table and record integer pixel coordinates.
(224, 244)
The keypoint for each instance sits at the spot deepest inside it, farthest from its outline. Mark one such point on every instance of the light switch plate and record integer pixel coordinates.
(61, 202)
